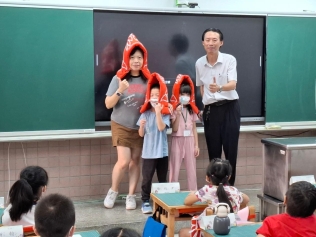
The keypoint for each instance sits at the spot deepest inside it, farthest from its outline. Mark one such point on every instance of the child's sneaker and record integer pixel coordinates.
(110, 198)
(146, 208)
(130, 202)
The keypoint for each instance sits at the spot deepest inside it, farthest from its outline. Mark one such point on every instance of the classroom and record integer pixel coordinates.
(51, 57)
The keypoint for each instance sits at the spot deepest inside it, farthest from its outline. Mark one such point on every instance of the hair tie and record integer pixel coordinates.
(220, 183)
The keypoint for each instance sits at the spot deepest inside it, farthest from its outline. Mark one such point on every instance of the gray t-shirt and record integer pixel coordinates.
(155, 141)
(126, 111)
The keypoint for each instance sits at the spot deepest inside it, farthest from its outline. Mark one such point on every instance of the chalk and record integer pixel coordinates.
(273, 127)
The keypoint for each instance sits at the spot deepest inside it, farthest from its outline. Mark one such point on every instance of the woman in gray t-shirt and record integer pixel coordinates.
(126, 94)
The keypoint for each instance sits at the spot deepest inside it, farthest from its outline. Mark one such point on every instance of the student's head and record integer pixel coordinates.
(179, 44)
(154, 91)
(136, 59)
(120, 232)
(218, 173)
(212, 40)
(26, 191)
(185, 96)
(300, 199)
(185, 89)
(55, 216)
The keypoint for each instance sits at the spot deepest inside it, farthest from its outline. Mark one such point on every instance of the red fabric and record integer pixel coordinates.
(284, 225)
(176, 92)
(195, 227)
(163, 97)
(131, 43)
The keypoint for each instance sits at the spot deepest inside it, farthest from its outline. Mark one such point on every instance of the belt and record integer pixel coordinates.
(221, 102)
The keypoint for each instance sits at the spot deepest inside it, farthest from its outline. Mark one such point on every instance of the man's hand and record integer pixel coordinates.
(214, 87)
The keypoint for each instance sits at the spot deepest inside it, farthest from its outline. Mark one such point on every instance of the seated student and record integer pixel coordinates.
(24, 195)
(299, 219)
(217, 190)
(55, 216)
(120, 232)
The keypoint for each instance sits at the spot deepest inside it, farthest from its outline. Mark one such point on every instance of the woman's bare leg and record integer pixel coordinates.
(123, 161)
(134, 169)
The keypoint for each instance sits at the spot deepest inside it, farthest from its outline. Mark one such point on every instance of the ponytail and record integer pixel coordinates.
(21, 198)
(222, 196)
(219, 171)
(25, 192)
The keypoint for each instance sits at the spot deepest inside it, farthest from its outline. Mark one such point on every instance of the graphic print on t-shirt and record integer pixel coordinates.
(131, 98)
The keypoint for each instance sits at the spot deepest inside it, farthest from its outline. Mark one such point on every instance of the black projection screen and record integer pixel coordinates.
(243, 38)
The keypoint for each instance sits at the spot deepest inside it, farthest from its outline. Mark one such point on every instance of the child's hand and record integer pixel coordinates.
(170, 107)
(179, 109)
(196, 151)
(158, 108)
(142, 123)
(200, 115)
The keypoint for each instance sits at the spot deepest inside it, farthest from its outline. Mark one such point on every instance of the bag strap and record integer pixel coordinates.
(157, 217)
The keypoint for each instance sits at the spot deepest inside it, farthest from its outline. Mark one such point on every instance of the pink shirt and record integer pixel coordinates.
(188, 125)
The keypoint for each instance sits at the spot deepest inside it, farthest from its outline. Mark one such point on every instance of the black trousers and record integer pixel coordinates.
(221, 130)
(159, 165)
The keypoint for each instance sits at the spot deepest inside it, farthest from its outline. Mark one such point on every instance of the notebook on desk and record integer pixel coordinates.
(237, 231)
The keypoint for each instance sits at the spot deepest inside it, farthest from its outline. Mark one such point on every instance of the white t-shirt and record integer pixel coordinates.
(27, 219)
(224, 70)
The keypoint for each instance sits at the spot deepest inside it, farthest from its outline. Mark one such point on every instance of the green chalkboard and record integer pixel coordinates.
(46, 69)
(291, 69)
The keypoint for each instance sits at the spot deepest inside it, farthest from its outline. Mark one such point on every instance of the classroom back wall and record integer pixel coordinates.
(250, 6)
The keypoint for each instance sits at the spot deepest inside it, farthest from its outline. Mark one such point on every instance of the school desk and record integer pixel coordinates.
(236, 231)
(90, 233)
(174, 209)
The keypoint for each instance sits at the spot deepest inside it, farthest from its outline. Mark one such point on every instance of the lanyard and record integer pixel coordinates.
(186, 116)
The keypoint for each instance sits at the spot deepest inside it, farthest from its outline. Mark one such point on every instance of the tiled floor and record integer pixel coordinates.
(91, 215)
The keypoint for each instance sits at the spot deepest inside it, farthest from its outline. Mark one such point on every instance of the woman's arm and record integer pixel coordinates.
(111, 101)
(191, 199)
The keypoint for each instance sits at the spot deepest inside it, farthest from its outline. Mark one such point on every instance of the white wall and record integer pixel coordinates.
(244, 6)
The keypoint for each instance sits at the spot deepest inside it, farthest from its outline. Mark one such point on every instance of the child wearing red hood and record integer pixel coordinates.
(184, 139)
(153, 124)
(126, 95)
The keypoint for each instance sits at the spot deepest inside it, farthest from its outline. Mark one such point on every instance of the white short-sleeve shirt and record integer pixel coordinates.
(208, 193)
(27, 219)
(224, 70)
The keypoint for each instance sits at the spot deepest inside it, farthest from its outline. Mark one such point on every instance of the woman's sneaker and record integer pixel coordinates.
(110, 198)
(146, 208)
(130, 202)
